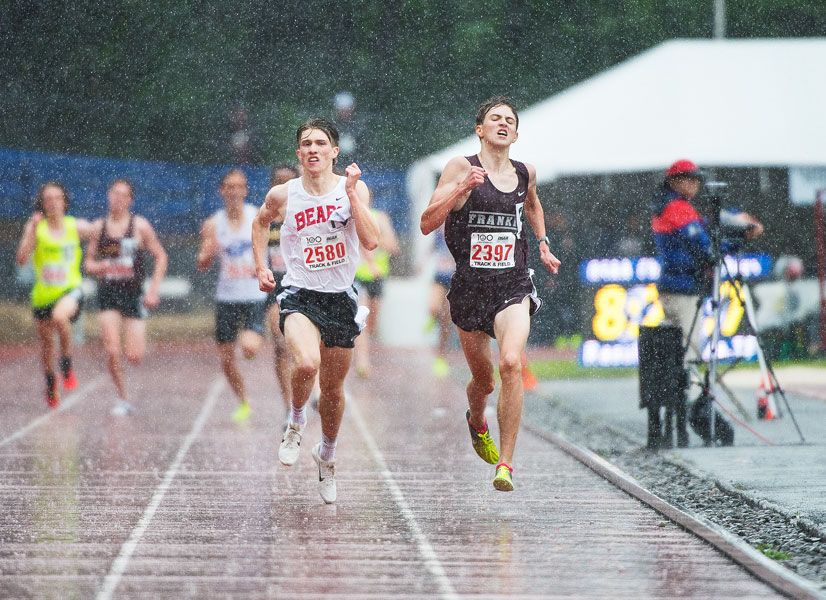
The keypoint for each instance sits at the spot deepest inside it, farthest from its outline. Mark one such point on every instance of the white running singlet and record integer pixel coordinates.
(318, 239)
(236, 279)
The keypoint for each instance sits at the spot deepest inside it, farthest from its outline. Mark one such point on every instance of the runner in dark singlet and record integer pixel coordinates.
(116, 258)
(483, 201)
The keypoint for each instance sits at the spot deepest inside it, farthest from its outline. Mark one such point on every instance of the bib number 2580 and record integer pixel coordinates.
(492, 250)
(324, 251)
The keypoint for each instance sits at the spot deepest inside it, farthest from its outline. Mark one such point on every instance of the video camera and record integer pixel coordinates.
(731, 226)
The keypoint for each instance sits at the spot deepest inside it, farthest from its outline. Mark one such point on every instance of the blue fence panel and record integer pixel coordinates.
(174, 197)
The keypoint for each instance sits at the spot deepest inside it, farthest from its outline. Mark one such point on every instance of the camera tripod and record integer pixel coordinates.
(711, 379)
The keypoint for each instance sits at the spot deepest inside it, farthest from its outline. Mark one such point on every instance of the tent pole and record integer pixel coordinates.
(820, 245)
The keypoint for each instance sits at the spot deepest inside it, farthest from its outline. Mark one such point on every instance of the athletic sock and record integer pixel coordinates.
(298, 417)
(327, 451)
(65, 365)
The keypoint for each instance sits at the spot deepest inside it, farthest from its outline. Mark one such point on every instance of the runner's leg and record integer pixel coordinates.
(304, 341)
(476, 347)
(281, 356)
(335, 362)
(110, 322)
(511, 326)
(226, 352)
(134, 340)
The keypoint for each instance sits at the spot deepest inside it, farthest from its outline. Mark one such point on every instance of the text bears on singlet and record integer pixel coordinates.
(485, 235)
(318, 239)
(237, 281)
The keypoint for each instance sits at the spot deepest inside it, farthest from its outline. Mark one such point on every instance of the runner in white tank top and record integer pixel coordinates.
(236, 275)
(327, 216)
(239, 304)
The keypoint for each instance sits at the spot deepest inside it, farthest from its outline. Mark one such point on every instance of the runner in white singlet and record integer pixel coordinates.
(239, 304)
(326, 217)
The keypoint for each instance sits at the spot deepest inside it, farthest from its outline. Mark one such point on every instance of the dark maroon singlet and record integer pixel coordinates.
(487, 239)
(486, 236)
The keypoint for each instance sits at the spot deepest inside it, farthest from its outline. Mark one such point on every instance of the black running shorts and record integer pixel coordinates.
(129, 303)
(474, 303)
(232, 317)
(333, 313)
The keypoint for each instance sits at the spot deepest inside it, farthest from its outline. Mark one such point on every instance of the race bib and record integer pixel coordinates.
(119, 269)
(492, 250)
(324, 251)
(54, 274)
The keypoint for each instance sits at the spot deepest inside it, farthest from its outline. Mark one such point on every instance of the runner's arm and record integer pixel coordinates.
(454, 187)
(28, 239)
(85, 229)
(366, 227)
(209, 246)
(91, 264)
(154, 247)
(387, 237)
(536, 217)
(273, 205)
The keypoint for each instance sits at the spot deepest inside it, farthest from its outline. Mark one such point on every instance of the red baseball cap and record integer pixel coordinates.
(684, 168)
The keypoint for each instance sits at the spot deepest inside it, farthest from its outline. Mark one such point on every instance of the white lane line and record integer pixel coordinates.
(431, 561)
(68, 402)
(128, 548)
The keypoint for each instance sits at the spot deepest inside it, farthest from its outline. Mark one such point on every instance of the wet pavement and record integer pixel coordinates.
(177, 501)
(767, 461)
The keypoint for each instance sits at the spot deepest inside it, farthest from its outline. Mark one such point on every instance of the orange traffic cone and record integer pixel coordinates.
(764, 407)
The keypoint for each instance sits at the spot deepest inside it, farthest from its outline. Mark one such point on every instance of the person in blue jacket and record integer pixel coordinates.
(685, 252)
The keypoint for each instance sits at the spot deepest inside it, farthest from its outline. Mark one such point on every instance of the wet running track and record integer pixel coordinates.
(179, 502)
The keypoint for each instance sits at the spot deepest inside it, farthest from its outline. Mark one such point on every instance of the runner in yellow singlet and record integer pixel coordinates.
(52, 239)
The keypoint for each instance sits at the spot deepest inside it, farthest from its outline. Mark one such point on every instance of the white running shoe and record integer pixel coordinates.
(290, 443)
(326, 476)
(122, 408)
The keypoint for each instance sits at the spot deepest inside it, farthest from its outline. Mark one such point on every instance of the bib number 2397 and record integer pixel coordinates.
(492, 250)
(324, 251)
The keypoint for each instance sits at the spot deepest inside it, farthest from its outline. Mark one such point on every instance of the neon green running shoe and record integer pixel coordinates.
(483, 443)
(504, 479)
(242, 413)
(440, 367)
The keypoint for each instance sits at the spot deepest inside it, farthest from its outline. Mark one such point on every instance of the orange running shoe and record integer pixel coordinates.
(69, 380)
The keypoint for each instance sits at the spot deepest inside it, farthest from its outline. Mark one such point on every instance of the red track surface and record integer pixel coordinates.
(176, 501)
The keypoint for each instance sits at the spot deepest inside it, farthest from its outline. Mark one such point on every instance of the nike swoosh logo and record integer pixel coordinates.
(520, 193)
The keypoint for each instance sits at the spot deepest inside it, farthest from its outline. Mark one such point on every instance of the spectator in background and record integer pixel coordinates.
(242, 141)
(685, 252)
(54, 239)
(115, 256)
(239, 304)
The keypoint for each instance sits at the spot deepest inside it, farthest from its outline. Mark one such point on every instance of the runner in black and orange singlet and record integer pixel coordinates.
(483, 200)
(116, 258)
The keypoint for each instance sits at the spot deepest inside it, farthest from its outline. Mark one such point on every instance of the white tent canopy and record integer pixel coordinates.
(720, 102)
